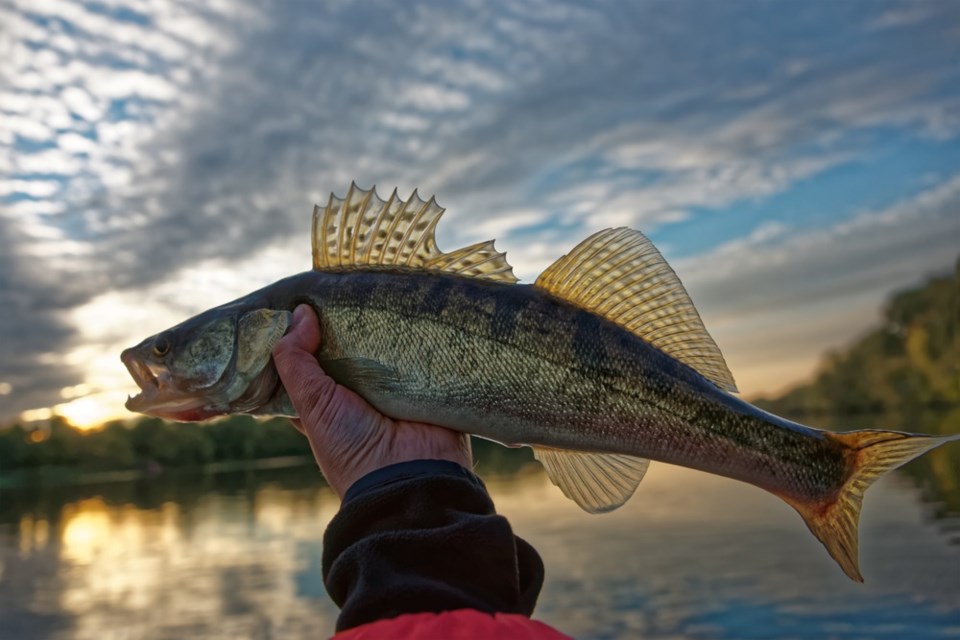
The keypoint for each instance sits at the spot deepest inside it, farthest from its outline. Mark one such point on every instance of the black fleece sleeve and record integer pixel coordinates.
(423, 536)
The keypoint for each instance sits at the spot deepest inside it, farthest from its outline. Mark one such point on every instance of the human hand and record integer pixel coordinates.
(349, 437)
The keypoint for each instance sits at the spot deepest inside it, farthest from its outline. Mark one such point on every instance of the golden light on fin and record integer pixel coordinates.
(597, 482)
(363, 231)
(836, 524)
(620, 275)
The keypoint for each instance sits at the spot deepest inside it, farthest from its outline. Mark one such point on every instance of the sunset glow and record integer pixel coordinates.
(794, 167)
(93, 410)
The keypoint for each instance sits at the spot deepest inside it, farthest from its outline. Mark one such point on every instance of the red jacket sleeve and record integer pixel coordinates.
(464, 624)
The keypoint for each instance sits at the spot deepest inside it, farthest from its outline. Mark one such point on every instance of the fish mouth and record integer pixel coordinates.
(158, 395)
(143, 375)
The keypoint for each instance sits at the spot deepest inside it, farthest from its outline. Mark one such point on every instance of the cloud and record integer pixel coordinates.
(34, 329)
(139, 140)
(776, 300)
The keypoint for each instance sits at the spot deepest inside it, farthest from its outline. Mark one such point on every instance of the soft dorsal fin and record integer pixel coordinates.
(620, 275)
(597, 482)
(363, 231)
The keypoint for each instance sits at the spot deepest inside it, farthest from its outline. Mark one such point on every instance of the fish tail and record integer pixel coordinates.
(835, 521)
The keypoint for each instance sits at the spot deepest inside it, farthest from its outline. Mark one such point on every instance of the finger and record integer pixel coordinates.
(294, 353)
(304, 329)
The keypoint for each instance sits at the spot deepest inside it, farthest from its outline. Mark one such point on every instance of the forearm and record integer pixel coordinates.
(423, 536)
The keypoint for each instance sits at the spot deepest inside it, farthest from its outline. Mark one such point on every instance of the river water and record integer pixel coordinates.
(237, 555)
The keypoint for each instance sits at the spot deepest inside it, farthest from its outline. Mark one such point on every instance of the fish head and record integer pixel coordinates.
(216, 363)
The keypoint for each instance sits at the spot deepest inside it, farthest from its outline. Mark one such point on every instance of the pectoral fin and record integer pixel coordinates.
(598, 482)
(362, 375)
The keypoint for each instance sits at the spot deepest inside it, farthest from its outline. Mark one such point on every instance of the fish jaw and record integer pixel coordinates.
(159, 395)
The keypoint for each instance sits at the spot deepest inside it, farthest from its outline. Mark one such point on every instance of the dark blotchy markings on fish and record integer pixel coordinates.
(601, 365)
(598, 383)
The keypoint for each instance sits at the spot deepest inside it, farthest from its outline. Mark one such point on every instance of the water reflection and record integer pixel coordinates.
(691, 556)
(188, 556)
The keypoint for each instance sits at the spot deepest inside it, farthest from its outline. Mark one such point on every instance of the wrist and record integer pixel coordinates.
(400, 442)
(400, 471)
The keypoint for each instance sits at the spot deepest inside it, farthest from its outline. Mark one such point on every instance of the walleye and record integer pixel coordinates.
(601, 365)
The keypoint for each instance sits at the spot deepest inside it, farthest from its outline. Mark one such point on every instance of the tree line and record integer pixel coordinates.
(911, 362)
(148, 443)
(151, 444)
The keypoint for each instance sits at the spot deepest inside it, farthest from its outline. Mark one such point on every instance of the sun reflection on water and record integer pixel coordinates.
(690, 555)
(34, 534)
(86, 530)
(213, 566)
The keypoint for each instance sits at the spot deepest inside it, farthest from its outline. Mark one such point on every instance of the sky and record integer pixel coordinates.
(795, 162)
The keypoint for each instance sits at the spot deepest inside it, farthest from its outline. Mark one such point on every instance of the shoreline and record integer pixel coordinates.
(53, 476)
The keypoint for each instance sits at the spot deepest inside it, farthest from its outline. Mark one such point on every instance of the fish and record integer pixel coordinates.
(601, 365)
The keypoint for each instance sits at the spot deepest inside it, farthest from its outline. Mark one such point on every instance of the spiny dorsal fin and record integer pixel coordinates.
(362, 231)
(620, 275)
(597, 482)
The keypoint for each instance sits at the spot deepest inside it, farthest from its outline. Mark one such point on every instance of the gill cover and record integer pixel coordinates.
(259, 333)
(199, 363)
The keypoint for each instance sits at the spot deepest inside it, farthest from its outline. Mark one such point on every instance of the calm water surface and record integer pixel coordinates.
(690, 556)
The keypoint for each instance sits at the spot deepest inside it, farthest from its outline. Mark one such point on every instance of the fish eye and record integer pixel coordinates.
(161, 346)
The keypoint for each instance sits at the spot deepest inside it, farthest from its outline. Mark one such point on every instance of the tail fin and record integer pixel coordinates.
(874, 453)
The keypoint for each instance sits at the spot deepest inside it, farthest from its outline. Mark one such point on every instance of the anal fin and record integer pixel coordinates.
(597, 482)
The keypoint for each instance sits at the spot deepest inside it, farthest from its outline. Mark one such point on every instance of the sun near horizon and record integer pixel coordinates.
(85, 413)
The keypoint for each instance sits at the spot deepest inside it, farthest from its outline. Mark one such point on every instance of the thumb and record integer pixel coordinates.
(309, 388)
(304, 332)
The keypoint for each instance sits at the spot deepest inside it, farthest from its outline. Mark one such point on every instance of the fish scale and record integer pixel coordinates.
(593, 387)
(601, 365)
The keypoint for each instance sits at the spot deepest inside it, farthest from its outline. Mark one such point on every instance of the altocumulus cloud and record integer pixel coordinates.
(163, 155)
(777, 297)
